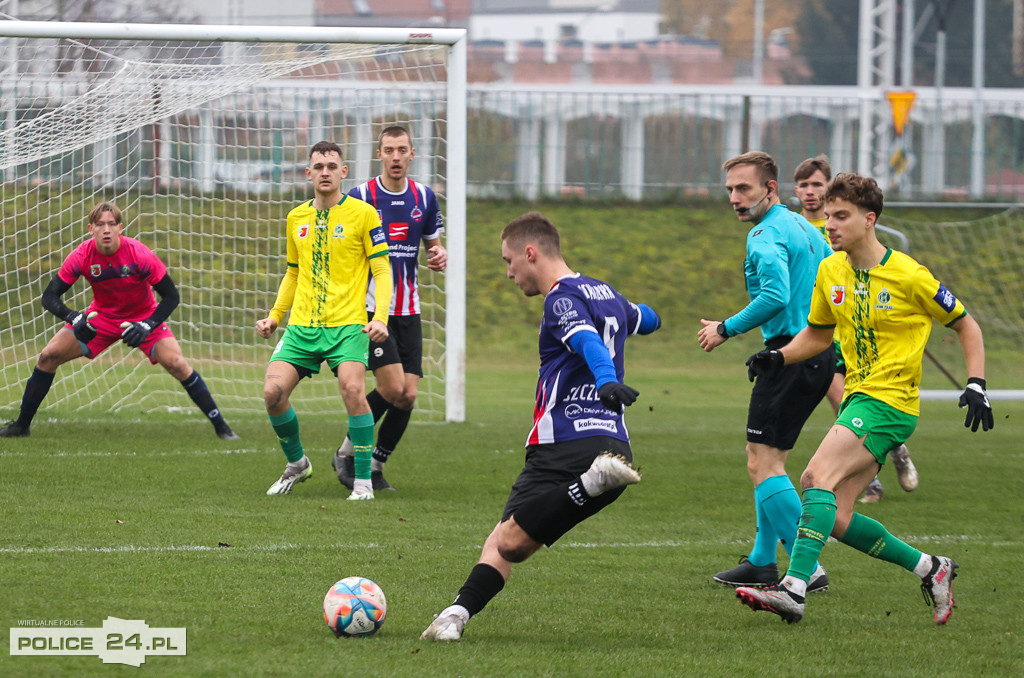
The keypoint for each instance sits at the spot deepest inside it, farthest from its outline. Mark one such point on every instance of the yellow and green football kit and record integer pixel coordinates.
(882, 317)
(820, 225)
(329, 257)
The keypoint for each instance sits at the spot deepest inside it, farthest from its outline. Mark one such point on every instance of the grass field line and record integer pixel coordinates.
(974, 540)
(165, 453)
(57, 454)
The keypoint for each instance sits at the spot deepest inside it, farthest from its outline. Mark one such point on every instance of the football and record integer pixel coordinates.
(355, 606)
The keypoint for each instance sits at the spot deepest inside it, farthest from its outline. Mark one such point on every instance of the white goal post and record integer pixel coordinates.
(199, 133)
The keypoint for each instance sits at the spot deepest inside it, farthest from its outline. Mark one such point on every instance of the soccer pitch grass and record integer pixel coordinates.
(154, 518)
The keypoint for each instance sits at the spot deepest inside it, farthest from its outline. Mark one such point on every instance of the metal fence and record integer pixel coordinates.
(657, 142)
(654, 142)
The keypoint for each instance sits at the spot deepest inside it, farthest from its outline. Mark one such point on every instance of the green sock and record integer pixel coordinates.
(286, 426)
(360, 430)
(871, 537)
(817, 517)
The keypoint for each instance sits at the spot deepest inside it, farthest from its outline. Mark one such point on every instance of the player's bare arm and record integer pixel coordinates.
(810, 341)
(972, 344)
(437, 255)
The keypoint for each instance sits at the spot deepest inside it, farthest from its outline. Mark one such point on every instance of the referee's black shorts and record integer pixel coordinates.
(781, 403)
(550, 466)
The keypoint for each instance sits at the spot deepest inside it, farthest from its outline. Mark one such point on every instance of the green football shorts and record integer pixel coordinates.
(882, 427)
(307, 347)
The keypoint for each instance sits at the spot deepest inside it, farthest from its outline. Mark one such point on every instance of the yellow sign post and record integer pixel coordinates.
(901, 103)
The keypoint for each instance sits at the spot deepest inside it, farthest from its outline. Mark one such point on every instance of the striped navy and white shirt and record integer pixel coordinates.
(408, 218)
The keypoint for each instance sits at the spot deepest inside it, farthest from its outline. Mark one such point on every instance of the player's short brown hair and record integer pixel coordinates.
(393, 131)
(100, 208)
(812, 165)
(856, 189)
(533, 227)
(325, 147)
(765, 164)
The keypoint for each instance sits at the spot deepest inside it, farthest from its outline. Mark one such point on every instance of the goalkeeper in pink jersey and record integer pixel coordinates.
(123, 274)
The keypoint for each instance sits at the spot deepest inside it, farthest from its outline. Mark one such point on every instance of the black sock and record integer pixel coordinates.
(483, 583)
(392, 428)
(200, 395)
(381, 454)
(377, 404)
(36, 388)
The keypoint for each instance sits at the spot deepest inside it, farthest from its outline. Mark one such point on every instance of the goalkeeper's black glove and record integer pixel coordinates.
(764, 363)
(135, 333)
(614, 395)
(83, 329)
(979, 411)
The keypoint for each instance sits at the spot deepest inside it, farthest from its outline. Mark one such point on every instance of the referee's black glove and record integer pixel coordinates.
(83, 329)
(135, 333)
(764, 363)
(979, 411)
(614, 395)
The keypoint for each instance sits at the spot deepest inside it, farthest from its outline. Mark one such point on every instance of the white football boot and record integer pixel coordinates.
(296, 472)
(447, 626)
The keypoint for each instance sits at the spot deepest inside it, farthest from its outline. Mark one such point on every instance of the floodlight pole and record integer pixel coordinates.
(978, 110)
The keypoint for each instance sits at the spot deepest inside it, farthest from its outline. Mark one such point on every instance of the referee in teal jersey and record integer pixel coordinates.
(783, 253)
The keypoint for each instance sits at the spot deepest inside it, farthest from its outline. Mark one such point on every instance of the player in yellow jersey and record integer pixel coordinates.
(334, 243)
(880, 304)
(811, 178)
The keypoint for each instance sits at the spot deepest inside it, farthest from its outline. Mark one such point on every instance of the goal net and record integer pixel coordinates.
(201, 134)
(979, 261)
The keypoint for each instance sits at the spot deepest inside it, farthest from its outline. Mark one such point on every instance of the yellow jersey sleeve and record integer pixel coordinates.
(285, 294)
(933, 297)
(380, 269)
(882, 318)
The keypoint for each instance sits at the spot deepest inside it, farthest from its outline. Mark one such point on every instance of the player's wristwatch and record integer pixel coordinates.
(721, 331)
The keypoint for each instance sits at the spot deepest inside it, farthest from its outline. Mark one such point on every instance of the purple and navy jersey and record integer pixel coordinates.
(408, 218)
(567, 406)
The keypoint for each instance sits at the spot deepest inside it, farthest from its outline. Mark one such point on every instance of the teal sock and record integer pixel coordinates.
(817, 519)
(766, 542)
(360, 430)
(871, 537)
(286, 426)
(781, 503)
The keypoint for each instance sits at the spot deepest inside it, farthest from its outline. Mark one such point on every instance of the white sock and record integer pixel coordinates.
(301, 463)
(376, 465)
(794, 585)
(924, 566)
(589, 484)
(362, 486)
(458, 610)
